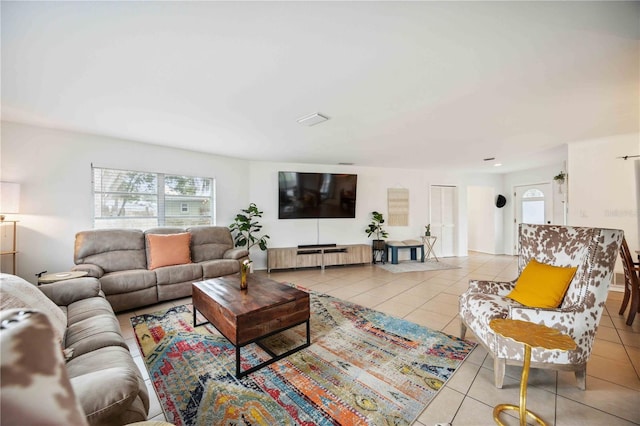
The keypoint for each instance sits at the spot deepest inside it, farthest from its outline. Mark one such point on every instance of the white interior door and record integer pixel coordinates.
(534, 204)
(443, 219)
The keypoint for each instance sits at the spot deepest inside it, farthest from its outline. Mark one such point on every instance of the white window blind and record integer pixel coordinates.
(142, 200)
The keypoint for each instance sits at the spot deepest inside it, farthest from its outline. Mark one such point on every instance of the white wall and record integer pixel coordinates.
(371, 195)
(481, 215)
(602, 188)
(54, 170)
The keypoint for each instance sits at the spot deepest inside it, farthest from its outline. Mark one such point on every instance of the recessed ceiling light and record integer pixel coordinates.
(312, 119)
(497, 165)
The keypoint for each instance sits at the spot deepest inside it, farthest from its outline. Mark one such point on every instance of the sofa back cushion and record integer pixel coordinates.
(111, 249)
(18, 293)
(209, 242)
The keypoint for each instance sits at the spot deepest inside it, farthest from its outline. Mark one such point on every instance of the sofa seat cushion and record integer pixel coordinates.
(94, 333)
(178, 273)
(87, 308)
(107, 383)
(127, 281)
(219, 267)
(18, 293)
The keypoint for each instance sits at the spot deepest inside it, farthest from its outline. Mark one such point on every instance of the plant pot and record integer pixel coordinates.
(378, 244)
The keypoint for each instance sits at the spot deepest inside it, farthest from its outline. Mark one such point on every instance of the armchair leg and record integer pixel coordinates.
(463, 329)
(499, 365)
(581, 378)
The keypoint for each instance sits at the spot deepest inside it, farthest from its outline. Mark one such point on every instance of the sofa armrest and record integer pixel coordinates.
(64, 293)
(105, 394)
(500, 288)
(91, 269)
(236, 253)
(562, 319)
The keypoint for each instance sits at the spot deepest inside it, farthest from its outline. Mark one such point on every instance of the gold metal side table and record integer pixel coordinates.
(530, 335)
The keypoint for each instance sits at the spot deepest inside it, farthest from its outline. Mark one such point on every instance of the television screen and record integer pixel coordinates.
(316, 195)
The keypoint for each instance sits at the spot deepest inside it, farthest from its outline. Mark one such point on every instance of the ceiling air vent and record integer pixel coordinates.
(312, 119)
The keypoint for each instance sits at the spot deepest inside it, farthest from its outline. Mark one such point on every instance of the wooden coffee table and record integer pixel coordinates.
(247, 316)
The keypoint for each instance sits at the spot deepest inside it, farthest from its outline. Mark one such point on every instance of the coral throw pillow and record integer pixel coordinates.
(541, 285)
(169, 249)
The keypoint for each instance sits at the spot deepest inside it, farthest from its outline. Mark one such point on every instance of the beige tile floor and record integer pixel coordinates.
(430, 298)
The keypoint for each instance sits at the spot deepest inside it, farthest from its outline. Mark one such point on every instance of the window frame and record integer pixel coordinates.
(161, 196)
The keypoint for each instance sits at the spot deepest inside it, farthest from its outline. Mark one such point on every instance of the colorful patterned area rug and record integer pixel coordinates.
(363, 368)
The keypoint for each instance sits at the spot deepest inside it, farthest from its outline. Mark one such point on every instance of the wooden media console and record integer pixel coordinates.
(313, 256)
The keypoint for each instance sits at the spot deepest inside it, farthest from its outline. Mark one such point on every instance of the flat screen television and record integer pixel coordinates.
(316, 195)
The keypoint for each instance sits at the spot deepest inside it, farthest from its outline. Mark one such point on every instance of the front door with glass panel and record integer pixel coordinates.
(534, 204)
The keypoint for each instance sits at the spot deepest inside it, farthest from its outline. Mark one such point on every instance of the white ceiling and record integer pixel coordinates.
(405, 84)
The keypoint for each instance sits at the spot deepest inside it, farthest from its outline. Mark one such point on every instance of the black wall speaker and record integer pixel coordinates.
(501, 201)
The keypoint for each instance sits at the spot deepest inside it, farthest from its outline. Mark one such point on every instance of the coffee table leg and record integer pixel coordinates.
(240, 374)
(194, 319)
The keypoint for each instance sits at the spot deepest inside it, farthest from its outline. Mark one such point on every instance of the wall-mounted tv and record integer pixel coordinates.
(316, 195)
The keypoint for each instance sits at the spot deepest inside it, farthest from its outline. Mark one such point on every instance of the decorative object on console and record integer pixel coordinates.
(246, 226)
(363, 367)
(427, 230)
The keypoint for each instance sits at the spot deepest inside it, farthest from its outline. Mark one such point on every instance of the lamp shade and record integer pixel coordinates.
(9, 197)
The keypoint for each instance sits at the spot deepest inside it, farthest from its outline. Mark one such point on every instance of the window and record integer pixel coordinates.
(131, 199)
(533, 207)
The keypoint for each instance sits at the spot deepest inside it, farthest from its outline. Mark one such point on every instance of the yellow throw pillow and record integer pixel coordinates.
(168, 249)
(541, 285)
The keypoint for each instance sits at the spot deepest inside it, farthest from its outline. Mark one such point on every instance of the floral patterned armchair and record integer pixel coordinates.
(594, 252)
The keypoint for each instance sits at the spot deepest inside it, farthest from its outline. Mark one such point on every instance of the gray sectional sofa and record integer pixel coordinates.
(120, 259)
(64, 359)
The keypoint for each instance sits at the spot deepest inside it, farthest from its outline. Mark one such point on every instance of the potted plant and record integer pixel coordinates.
(427, 230)
(246, 227)
(560, 177)
(375, 228)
